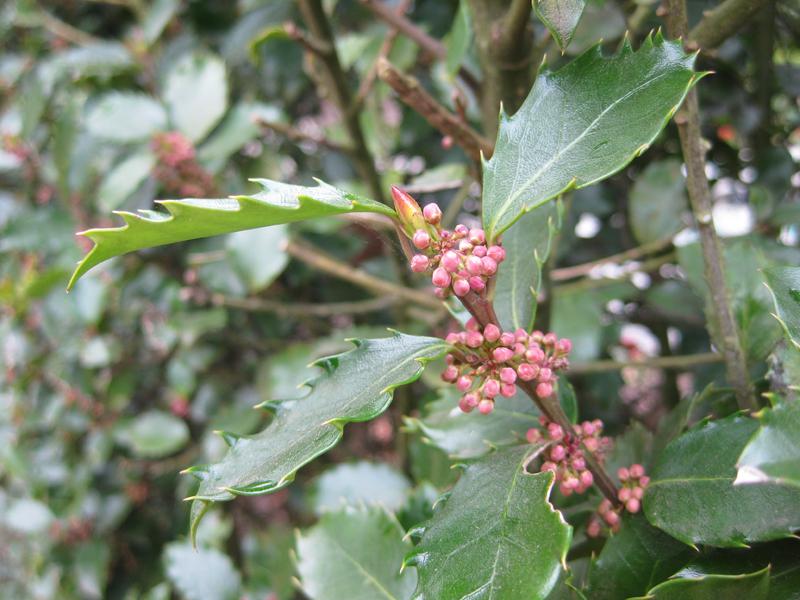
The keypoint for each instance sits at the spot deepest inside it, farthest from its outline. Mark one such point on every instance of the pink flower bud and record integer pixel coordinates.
(477, 236)
(491, 388)
(502, 354)
(623, 474)
(624, 494)
(588, 428)
(472, 324)
(471, 399)
(441, 293)
(507, 390)
(508, 375)
(587, 479)
(491, 332)
(421, 239)
(452, 338)
(571, 482)
(644, 480)
(527, 372)
(566, 491)
(544, 390)
(591, 444)
(533, 435)
(461, 287)
(419, 263)
(549, 339)
(432, 213)
(477, 283)
(474, 339)
(535, 354)
(564, 346)
(637, 492)
(496, 253)
(461, 230)
(474, 265)
(636, 471)
(633, 505)
(555, 431)
(485, 407)
(546, 375)
(507, 339)
(558, 453)
(450, 373)
(450, 261)
(464, 246)
(489, 265)
(549, 466)
(479, 251)
(593, 529)
(611, 518)
(440, 277)
(464, 405)
(519, 349)
(464, 383)
(408, 211)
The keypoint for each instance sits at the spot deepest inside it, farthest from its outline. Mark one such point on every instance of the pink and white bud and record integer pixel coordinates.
(587, 479)
(440, 277)
(489, 265)
(491, 388)
(474, 265)
(491, 332)
(545, 375)
(558, 453)
(507, 339)
(564, 346)
(533, 435)
(421, 239)
(623, 473)
(578, 463)
(432, 213)
(452, 338)
(461, 287)
(633, 505)
(544, 390)
(419, 263)
(637, 492)
(593, 529)
(549, 339)
(624, 494)
(479, 251)
(461, 230)
(474, 339)
(471, 399)
(496, 253)
(555, 431)
(502, 354)
(527, 372)
(477, 283)
(472, 324)
(485, 407)
(508, 375)
(519, 349)
(588, 428)
(464, 405)
(441, 293)
(507, 390)
(535, 354)
(464, 383)
(477, 236)
(636, 471)
(611, 518)
(464, 246)
(450, 373)
(644, 480)
(450, 261)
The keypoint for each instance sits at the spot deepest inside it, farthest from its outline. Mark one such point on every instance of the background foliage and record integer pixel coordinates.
(108, 392)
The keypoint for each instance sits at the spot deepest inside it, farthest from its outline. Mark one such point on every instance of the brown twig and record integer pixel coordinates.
(313, 257)
(303, 309)
(660, 362)
(688, 121)
(718, 24)
(412, 93)
(64, 30)
(631, 254)
(295, 135)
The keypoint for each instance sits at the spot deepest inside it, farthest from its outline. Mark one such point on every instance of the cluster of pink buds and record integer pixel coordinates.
(633, 482)
(460, 261)
(488, 363)
(177, 169)
(564, 455)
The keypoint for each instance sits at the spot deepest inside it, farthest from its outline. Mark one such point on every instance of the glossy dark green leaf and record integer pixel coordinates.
(198, 218)
(635, 559)
(355, 386)
(560, 17)
(469, 435)
(773, 454)
(357, 554)
(657, 201)
(692, 495)
(519, 278)
(690, 584)
(784, 283)
(496, 536)
(610, 109)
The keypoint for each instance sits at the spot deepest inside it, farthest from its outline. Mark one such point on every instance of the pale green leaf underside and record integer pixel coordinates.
(496, 537)
(355, 553)
(193, 218)
(560, 17)
(784, 283)
(581, 124)
(773, 454)
(356, 386)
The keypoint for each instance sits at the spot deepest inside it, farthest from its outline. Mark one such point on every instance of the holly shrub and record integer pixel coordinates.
(533, 333)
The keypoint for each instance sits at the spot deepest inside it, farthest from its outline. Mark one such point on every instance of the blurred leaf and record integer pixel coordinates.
(354, 554)
(33, 100)
(496, 536)
(196, 93)
(773, 453)
(100, 352)
(784, 283)
(355, 386)
(634, 559)
(192, 218)
(469, 435)
(100, 59)
(692, 497)
(154, 434)
(611, 108)
(360, 483)
(28, 516)
(124, 178)
(560, 17)
(519, 278)
(201, 574)
(259, 255)
(157, 17)
(657, 201)
(459, 39)
(600, 21)
(126, 117)
(690, 584)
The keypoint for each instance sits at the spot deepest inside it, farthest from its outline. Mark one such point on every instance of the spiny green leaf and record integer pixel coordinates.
(356, 386)
(519, 278)
(773, 454)
(355, 553)
(560, 17)
(690, 584)
(496, 536)
(609, 109)
(693, 498)
(198, 218)
(784, 283)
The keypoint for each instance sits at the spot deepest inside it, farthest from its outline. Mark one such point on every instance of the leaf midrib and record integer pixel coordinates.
(363, 571)
(515, 195)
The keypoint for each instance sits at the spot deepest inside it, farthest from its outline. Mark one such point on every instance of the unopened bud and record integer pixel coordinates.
(464, 383)
(502, 354)
(496, 253)
(421, 239)
(477, 283)
(491, 388)
(440, 277)
(419, 263)
(633, 505)
(489, 265)
(474, 339)
(479, 251)
(527, 372)
(432, 213)
(544, 390)
(491, 332)
(507, 390)
(508, 375)
(485, 407)
(408, 211)
(476, 236)
(450, 261)
(461, 287)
